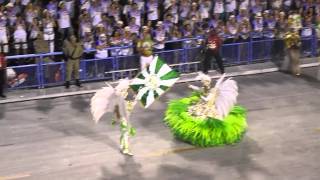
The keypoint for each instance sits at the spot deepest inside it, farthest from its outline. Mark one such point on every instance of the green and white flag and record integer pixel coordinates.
(153, 81)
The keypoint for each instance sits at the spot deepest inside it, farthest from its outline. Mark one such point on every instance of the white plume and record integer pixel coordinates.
(105, 100)
(226, 97)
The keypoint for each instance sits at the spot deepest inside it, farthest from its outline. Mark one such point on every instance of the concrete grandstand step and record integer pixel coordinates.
(90, 88)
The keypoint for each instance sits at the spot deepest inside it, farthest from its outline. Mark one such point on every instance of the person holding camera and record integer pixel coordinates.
(212, 49)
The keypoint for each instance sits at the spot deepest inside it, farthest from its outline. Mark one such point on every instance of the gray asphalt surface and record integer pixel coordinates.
(56, 138)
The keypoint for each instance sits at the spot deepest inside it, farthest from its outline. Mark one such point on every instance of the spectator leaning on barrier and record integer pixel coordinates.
(73, 51)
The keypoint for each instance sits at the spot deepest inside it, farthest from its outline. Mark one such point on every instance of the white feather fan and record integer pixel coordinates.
(106, 99)
(226, 97)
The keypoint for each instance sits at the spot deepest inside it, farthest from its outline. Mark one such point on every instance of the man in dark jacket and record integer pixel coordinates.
(3, 65)
(212, 49)
(73, 51)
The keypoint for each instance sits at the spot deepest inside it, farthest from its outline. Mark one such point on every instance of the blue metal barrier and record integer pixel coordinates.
(46, 72)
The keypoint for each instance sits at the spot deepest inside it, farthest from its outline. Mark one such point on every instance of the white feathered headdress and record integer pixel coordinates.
(106, 99)
(227, 93)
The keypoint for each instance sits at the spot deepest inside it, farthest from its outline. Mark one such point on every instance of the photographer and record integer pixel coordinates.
(212, 49)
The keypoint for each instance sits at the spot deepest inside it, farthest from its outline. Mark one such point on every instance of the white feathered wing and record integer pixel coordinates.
(226, 96)
(105, 100)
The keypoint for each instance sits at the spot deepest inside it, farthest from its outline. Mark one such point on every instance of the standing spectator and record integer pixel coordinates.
(3, 66)
(33, 35)
(53, 8)
(20, 37)
(256, 7)
(243, 4)
(243, 14)
(175, 35)
(244, 36)
(134, 28)
(184, 10)
(4, 48)
(187, 32)
(270, 26)
(218, 9)
(24, 4)
(95, 13)
(231, 6)
(281, 28)
(64, 20)
(152, 12)
(48, 24)
(276, 4)
(102, 47)
(307, 32)
(88, 41)
(30, 13)
(114, 11)
(73, 50)
(159, 35)
(205, 7)
(257, 25)
(85, 23)
(116, 41)
(173, 9)
(105, 5)
(135, 13)
(232, 30)
(168, 23)
(41, 46)
(212, 46)
(127, 41)
(244, 30)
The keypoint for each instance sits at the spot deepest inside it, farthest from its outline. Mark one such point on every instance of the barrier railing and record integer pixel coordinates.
(185, 59)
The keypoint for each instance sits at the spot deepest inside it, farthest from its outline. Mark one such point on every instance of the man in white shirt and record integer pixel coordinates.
(3, 34)
(64, 20)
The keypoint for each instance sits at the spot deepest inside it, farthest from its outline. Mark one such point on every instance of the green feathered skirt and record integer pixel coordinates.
(204, 132)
